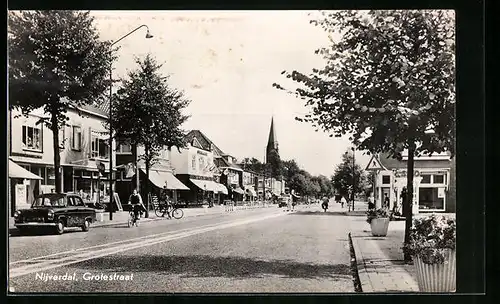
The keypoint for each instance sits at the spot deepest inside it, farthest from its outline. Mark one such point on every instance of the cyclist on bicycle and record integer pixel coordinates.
(165, 199)
(137, 205)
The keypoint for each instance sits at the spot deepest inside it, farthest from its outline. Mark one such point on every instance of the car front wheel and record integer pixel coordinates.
(60, 227)
(86, 226)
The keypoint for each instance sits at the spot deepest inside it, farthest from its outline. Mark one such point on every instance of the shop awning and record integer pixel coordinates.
(16, 171)
(221, 188)
(162, 178)
(251, 191)
(239, 190)
(205, 185)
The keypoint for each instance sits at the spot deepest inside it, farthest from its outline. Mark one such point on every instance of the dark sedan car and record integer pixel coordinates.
(56, 211)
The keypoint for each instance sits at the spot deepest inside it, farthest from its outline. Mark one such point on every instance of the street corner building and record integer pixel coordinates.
(434, 181)
(83, 145)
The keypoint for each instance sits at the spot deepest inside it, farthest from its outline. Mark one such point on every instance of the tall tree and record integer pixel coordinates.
(389, 82)
(56, 61)
(148, 113)
(343, 177)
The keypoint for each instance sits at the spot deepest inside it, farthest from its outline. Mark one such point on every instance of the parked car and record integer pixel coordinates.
(56, 211)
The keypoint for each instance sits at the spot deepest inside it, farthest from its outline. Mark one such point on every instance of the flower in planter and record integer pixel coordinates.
(431, 238)
(374, 214)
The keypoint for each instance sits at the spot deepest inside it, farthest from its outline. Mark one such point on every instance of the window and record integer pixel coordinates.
(125, 148)
(193, 162)
(98, 146)
(426, 179)
(32, 138)
(438, 179)
(76, 142)
(201, 164)
(430, 199)
(386, 179)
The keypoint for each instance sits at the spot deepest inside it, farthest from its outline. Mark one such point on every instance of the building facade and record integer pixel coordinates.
(434, 182)
(83, 144)
(195, 168)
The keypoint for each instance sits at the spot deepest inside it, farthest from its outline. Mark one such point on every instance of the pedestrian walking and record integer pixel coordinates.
(386, 201)
(324, 205)
(371, 205)
(342, 201)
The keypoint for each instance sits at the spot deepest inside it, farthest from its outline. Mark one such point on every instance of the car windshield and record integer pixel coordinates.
(49, 201)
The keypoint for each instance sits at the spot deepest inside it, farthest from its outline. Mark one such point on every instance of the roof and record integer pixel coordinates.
(204, 141)
(222, 162)
(272, 142)
(427, 162)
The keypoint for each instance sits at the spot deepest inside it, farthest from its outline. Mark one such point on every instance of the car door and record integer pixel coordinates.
(70, 212)
(83, 210)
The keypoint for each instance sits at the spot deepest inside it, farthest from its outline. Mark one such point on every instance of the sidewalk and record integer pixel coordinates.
(121, 217)
(380, 259)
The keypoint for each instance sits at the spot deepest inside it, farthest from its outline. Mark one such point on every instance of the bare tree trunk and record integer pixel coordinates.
(408, 206)
(55, 146)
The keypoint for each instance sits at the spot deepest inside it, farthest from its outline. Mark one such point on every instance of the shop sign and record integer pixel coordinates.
(403, 173)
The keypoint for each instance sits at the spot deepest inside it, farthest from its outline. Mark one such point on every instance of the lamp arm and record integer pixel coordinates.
(129, 34)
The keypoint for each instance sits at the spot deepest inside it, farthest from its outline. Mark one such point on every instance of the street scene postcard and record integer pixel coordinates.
(231, 151)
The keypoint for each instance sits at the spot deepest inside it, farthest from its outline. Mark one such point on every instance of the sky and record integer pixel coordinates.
(226, 63)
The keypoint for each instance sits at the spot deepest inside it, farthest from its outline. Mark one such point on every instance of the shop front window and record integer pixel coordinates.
(431, 198)
(426, 179)
(50, 177)
(438, 179)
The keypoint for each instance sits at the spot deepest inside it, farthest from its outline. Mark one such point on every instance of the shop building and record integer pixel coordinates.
(83, 144)
(195, 168)
(161, 175)
(434, 182)
(250, 184)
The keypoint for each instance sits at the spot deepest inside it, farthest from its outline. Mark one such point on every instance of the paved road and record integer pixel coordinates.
(263, 250)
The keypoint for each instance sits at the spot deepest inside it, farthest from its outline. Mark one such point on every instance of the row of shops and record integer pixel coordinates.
(199, 173)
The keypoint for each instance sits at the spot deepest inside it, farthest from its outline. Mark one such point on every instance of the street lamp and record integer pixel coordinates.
(111, 178)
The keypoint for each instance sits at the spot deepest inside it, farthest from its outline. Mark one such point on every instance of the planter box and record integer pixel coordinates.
(437, 277)
(380, 226)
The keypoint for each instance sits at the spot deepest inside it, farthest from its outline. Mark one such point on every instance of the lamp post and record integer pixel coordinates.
(111, 177)
(353, 176)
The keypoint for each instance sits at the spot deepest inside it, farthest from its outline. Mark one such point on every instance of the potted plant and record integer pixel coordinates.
(379, 221)
(432, 247)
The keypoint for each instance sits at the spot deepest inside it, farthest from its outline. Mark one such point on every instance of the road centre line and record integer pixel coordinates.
(24, 270)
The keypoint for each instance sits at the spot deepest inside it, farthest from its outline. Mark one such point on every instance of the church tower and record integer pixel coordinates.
(272, 142)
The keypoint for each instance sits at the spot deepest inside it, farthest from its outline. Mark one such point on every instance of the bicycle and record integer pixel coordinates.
(132, 220)
(174, 211)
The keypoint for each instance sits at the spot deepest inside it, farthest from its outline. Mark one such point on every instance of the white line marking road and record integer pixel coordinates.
(84, 254)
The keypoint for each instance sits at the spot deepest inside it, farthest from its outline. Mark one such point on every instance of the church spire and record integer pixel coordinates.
(272, 142)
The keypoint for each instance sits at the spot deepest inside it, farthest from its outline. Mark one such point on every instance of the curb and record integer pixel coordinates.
(362, 273)
(358, 287)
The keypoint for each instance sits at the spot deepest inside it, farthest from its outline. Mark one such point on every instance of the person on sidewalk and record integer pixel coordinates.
(137, 205)
(371, 205)
(386, 201)
(324, 205)
(342, 201)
